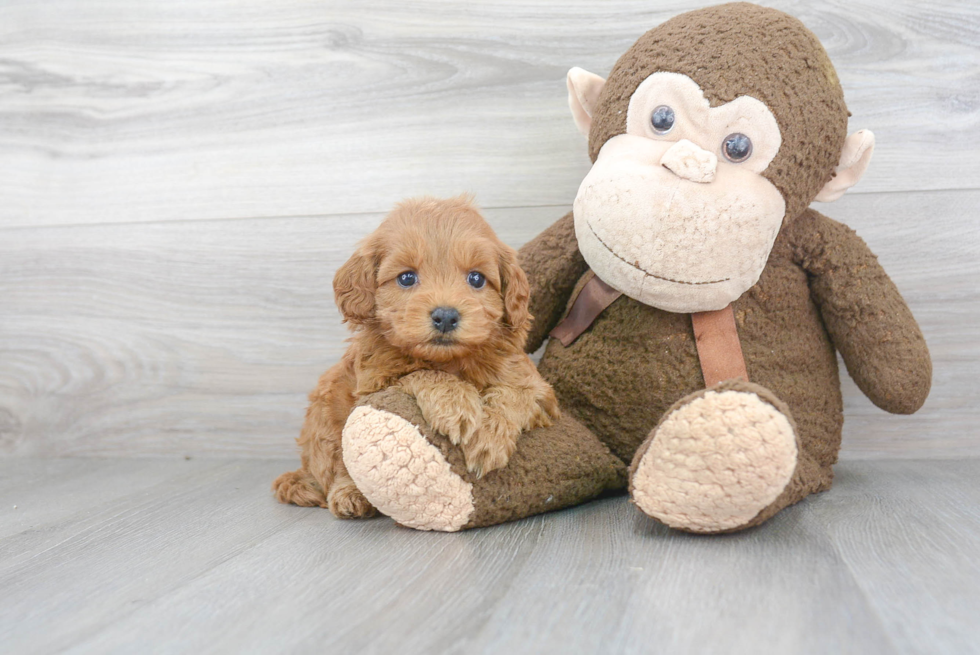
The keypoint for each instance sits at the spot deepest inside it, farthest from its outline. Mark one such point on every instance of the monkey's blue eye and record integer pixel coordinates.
(476, 279)
(662, 119)
(407, 279)
(737, 147)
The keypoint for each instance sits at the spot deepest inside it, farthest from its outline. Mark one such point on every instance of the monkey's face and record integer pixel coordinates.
(676, 212)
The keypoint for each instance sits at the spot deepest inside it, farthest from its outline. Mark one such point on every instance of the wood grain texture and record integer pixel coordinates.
(173, 338)
(180, 181)
(113, 111)
(901, 528)
(204, 336)
(203, 560)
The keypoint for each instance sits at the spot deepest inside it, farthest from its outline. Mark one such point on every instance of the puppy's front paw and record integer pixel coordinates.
(548, 410)
(492, 446)
(456, 417)
(542, 417)
(448, 404)
(347, 502)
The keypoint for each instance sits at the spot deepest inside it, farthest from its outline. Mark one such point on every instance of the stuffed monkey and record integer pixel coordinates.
(694, 301)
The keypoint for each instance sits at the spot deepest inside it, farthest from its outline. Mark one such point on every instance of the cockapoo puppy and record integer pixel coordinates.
(438, 306)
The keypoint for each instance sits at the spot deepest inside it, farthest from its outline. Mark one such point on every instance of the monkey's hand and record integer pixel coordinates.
(865, 315)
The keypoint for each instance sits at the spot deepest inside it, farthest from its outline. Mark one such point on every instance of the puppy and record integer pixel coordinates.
(438, 306)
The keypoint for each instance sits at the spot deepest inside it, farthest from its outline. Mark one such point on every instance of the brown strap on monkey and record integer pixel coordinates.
(715, 334)
(594, 297)
(719, 349)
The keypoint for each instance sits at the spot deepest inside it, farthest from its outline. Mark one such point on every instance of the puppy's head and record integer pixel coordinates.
(436, 282)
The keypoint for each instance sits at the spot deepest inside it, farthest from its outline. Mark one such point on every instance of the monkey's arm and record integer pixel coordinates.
(867, 319)
(553, 265)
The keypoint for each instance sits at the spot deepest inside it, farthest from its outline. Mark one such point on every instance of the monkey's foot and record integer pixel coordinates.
(402, 474)
(419, 478)
(718, 460)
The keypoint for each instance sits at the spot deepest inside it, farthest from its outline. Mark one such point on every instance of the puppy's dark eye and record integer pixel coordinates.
(407, 279)
(476, 279)
(662, 119)
(737, 147)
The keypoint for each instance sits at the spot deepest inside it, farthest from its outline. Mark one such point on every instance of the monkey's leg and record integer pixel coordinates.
(417, 477)
(723, 459)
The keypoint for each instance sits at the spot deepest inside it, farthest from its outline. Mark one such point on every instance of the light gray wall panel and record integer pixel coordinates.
(114, 111)
(205, 336)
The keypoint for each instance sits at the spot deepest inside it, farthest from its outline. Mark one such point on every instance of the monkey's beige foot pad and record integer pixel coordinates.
(402, 474)
(419, 478)
(716, 460)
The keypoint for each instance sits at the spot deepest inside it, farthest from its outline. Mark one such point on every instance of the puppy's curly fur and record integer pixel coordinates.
(465, 365)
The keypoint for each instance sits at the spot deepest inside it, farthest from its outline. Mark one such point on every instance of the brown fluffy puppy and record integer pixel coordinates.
(438, 306)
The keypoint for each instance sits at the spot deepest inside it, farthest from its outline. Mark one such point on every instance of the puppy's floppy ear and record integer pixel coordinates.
(354, 286)
(515, 290)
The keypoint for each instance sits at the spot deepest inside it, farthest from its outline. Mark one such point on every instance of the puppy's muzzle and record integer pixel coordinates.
(445, 319)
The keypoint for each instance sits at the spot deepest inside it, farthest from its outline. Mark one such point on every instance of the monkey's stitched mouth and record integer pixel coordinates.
(643, 270)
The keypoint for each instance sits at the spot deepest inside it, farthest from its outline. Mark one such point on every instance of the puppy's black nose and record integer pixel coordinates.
(445, 319)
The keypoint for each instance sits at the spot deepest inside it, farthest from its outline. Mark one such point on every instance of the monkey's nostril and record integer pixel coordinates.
(445, 319)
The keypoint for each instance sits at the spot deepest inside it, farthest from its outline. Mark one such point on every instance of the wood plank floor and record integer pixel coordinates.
(195, 556)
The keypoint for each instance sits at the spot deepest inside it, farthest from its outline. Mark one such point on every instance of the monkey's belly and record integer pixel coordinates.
(622, 374)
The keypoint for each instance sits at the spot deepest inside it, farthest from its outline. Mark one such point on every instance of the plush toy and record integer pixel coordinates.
(695, 303)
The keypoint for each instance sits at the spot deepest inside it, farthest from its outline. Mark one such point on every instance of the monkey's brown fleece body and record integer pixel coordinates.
(819, 287)
(822, 290)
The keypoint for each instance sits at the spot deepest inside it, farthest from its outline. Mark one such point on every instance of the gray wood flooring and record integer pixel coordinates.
(148, 555)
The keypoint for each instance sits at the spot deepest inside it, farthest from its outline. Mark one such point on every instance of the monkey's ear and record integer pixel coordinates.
(354, 286)
(854, 160)
(516, 292)
(583, 93)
